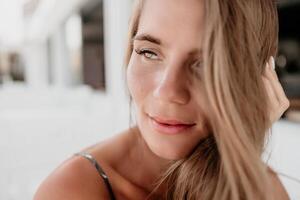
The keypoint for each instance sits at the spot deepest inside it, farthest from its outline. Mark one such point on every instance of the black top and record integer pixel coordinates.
(100, 171)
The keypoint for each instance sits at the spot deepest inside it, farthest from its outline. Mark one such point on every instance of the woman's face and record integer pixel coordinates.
(164, 76)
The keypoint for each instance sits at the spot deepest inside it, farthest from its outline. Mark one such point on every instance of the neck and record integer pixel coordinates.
(150, 165)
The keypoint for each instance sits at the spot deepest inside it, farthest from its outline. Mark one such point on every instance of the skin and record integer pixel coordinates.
(170, 75)
(171, 88)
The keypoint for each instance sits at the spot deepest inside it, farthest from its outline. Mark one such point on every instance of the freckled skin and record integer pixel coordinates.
(165, 82)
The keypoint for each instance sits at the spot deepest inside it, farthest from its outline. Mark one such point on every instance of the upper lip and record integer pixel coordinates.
(170, 121)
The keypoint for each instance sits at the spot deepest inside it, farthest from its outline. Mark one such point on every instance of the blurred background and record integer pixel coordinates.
(62, 86)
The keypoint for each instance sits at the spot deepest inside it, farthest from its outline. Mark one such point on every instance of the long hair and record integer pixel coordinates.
(239, 38)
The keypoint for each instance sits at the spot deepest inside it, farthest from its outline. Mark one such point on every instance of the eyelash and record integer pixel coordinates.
(196, 65)
(144, 51)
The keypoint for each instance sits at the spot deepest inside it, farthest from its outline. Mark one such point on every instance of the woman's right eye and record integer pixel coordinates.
(147, 54)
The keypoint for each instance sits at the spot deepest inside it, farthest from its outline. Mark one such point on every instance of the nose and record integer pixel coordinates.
(172, 87)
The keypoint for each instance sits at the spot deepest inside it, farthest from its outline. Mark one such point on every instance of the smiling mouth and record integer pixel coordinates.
(172, 127)
(171, 122)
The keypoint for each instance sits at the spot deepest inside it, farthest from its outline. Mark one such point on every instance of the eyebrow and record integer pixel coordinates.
(147, 37)
(150, 38)
(195, 52)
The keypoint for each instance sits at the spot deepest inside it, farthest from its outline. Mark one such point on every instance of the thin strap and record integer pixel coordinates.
(289, 177)
(293, 195)
(100, 171)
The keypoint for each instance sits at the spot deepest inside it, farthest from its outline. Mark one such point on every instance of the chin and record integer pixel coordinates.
(167, 148)
(169, 154)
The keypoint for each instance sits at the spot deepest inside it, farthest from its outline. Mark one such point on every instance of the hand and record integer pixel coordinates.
(278, 102)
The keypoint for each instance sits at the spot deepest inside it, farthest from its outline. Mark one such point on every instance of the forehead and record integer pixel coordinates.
(174, 22)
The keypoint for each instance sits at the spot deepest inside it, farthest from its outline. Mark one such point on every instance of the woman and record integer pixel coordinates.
(200, 76)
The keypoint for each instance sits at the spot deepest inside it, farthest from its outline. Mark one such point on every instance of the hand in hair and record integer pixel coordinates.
(278, 101)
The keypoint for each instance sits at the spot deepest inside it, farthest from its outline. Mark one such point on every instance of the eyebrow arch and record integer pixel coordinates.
(196, 52)
(147, 37)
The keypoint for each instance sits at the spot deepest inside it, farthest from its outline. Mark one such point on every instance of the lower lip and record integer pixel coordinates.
(169, 129)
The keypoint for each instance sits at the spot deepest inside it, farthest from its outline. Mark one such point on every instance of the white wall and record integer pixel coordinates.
(60, 58)
(35, 55)
(42, 126)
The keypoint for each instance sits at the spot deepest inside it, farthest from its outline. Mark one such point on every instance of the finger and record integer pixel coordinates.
(273, 100)
(281, 104)
(270, 73)
(279, 91)
(272, 63)
(277, 98)
(274, 106)
(272, 66)
(273, 78)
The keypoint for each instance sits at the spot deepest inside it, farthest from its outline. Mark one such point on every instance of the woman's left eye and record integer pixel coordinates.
(147, 54)
(198, 64)
(197, 68)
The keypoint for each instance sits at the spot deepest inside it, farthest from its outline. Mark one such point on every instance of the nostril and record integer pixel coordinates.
(172, 93)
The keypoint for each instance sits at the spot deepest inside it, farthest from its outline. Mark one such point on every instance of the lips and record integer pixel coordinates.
(171, 121)
(170, 126)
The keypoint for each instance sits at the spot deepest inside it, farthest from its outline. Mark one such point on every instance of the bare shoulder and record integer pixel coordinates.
(74, 179)
(278, 188)
(77, 179)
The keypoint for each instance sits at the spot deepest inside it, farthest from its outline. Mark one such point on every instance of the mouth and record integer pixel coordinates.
(170, 126)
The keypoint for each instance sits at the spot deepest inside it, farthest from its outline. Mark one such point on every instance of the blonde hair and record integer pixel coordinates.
(239, 38)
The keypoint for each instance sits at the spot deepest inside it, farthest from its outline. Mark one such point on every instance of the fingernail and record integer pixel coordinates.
(272, 62)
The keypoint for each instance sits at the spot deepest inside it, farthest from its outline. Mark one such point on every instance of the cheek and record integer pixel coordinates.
(202, 114)
(140, 80)
(203, 105)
